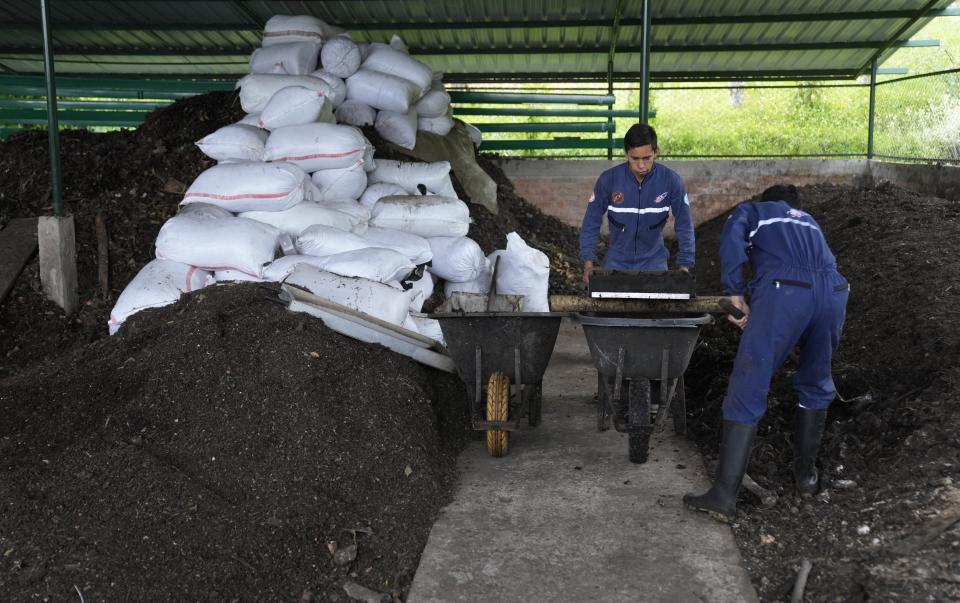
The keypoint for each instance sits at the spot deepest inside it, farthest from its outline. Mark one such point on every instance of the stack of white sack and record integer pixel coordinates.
(298, 162)
(159, 283)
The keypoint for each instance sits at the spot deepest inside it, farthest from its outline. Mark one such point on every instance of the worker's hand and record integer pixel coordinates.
(684, 269)
(587, 271)
(740, 304)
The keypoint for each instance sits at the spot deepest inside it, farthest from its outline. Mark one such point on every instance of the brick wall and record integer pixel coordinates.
(561, 188)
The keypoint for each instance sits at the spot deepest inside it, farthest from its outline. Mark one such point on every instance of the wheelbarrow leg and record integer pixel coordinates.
(639, 428)
(679, 409)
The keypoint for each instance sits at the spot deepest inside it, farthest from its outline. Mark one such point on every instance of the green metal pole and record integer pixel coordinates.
(645, 65)
(610, 108)
(53, 131)
(873, 106)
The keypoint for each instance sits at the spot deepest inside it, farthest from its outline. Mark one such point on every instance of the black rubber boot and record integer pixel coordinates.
(721, 500)
(807, 431)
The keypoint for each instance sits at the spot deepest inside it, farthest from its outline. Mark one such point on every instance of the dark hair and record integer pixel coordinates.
(639, 135)
(782, 192)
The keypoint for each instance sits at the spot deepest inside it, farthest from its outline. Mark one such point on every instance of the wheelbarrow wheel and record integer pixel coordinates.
(498, 409)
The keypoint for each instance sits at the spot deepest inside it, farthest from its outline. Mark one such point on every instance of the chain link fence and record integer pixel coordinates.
(917, 118)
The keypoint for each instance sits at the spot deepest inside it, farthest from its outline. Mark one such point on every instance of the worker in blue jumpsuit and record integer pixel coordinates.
(637, 197)
(797, 298)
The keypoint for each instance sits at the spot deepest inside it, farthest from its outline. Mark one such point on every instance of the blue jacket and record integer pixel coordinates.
(636, 213)
(780, 242)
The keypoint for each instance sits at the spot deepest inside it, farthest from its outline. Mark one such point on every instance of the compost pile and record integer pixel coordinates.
(137, 178)
(219, 447)
(887, 526)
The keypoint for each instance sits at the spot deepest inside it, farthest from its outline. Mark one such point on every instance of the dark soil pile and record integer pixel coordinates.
(887, 527)
(222, 449)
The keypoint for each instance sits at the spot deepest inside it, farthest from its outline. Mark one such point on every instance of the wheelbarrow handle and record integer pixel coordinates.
(729, 308)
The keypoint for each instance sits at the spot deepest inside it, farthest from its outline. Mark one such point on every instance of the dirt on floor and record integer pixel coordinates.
(887, 525)
(226, 449)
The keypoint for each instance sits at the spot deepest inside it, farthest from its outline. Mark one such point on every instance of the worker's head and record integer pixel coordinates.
(640, 147)
(782, 192)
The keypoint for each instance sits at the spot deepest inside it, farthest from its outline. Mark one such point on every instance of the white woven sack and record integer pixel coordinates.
(481, 284)
(299, 58)
(341, 56)
(427, 216)
(278, 269)
(381, 90)
(355, 113)
(218, 243)
(254, 186)
(377, 191)
(321, 240)
(424, 284)
(427, 326)
(398, 128)
(457, 259)
(250, 119)
(235, 142)
(341, 183)
(435, 176)
(338, 88)
(292, 106)
(302, 216)
(397, 43)
(369, 163)
(235, 276)
(437, 125)
(525, 271)
(375, 263)
(385, 59)
(286, 29)
(359, 215)
(257, 88)
(415, 248)
(159, 283)
(434, 103)
(317, 146)
(364, 295)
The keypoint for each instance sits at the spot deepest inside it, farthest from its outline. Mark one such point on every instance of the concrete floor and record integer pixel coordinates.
(566, 517)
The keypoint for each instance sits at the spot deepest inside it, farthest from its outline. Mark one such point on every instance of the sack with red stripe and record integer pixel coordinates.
(257, 88)
(159, 283)
(253, 186)
(318, 146)
(285, 29)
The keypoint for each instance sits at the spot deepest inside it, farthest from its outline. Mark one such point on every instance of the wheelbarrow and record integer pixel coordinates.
(501, 356)
(635, 355)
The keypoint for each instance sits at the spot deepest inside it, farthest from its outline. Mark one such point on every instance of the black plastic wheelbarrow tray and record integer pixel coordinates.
(635, 356)
(501, 358)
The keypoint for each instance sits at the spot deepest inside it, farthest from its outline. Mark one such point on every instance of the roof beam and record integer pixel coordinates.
(245, 50)
(920, 14)
(498, 25)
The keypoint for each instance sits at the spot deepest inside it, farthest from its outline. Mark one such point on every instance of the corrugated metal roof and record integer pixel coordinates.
(479, 39)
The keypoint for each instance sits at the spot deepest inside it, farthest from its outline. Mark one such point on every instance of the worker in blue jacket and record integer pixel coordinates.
(637, 197)
(797, 298)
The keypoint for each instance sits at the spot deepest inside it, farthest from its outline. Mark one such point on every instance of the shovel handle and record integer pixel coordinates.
(729, 308)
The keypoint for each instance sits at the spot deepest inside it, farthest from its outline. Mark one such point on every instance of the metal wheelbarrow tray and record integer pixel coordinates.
(501, 358)
(630, 351)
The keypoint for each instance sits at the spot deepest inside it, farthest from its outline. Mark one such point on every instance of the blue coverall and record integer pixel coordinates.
(636, 213)
(797, 297)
